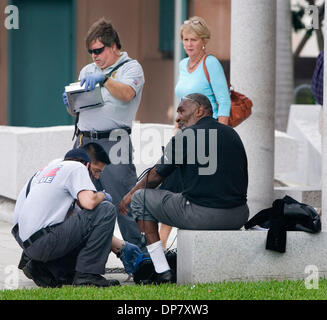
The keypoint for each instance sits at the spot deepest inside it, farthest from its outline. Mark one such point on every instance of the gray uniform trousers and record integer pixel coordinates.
(89, 232)
(175, 210)
(118, 180)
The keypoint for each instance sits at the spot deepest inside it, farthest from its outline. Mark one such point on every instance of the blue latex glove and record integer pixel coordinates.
(91, 80)
(107, 196)
(65, 99)
(129, 256)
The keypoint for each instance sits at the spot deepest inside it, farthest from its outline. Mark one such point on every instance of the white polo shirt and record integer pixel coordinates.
(53, 190)
(115, 113)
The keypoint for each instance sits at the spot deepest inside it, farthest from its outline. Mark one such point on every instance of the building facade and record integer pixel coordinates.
(47, 52)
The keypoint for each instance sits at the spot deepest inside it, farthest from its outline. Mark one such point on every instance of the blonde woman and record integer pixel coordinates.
(195, 35)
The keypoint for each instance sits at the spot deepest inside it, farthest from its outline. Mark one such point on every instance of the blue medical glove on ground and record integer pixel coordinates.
(65, 99)
(91, 80)
(108, 197)
(129, 256)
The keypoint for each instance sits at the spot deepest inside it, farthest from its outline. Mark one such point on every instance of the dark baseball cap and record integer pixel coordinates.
(78, 154)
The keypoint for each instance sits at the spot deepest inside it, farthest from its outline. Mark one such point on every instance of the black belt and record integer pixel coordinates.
(35, 236)
(101, 134)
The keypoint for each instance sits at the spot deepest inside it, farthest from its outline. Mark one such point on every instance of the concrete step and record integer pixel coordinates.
(215, 256)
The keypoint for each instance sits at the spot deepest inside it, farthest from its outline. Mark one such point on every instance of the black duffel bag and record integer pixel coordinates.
(286, 214)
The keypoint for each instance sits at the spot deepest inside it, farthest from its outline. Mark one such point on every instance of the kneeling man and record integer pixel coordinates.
(44, 233)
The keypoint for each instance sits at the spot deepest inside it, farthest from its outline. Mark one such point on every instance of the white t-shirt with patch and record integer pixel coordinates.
(53, 190)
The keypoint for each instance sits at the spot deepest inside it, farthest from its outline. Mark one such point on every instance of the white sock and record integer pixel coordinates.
(158, 257)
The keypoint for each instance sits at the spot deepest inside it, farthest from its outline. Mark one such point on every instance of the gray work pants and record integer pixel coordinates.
(175, 210)
(89, 231)
(118, 180)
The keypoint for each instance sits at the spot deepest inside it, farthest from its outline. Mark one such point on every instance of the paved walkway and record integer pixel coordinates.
(13, 278)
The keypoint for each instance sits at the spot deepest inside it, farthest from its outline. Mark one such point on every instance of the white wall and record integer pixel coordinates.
(25, 150)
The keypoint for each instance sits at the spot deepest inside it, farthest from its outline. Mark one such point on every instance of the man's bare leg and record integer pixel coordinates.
(164, 234)
(117, 245)
(127, 252)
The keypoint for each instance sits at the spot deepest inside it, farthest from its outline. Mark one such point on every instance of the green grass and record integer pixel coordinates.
(262, 290)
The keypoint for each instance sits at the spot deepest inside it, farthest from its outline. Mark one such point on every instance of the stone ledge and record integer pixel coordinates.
(27, 150)
(215, 256)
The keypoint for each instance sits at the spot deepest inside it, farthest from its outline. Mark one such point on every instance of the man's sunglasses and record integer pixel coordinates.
(96, 51)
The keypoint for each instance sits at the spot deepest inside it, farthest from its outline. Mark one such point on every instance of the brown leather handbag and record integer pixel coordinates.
(241, 104)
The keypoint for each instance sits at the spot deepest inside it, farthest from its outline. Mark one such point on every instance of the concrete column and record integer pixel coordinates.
(179, 54)
(284, 64)
(324, 145)
(178, 46)
(253, 44)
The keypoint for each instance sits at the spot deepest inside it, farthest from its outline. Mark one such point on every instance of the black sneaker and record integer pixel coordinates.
(38, 272)
(89, 279)
(165, 277)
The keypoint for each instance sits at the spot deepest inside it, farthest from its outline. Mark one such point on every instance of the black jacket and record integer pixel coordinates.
(285, 214)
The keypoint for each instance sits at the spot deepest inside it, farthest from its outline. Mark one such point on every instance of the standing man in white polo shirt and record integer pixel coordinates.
(121, 79)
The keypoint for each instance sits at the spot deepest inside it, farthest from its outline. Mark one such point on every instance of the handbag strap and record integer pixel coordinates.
(207, 73)
(208, 77)
(205, 69)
